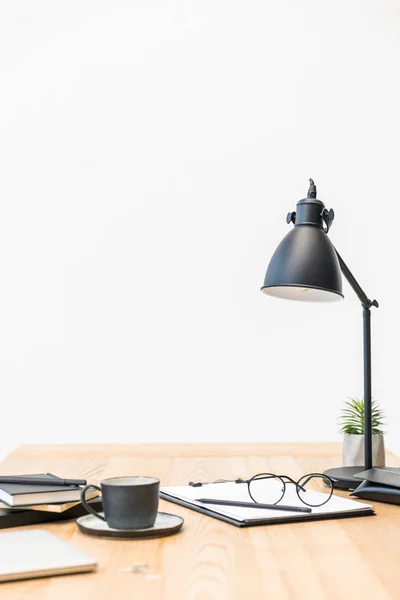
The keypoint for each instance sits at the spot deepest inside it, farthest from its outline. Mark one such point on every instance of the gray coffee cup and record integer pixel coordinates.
(128, 502)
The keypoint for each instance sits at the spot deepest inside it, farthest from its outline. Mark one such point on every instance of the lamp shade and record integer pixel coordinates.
(305, 265)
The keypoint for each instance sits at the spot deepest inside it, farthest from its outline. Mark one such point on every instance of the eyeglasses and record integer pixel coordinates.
(269, 488)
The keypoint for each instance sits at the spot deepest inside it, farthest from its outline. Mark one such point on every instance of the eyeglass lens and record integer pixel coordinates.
(319, 484)
(266, 488)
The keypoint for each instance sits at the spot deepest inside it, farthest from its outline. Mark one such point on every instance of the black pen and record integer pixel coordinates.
(40, 480)
(302, 509)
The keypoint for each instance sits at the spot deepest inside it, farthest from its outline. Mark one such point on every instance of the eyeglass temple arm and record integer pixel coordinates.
(287, 477)
(305, 482)
(310, 477)
(295, 482)
(200, 483)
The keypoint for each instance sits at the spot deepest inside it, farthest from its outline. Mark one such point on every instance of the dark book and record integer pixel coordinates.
(11, 517)
(22, 494)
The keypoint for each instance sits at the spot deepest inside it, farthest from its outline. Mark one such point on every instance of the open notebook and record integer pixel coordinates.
(335, 508)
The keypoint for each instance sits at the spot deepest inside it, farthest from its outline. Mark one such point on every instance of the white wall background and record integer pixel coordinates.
(149, 153)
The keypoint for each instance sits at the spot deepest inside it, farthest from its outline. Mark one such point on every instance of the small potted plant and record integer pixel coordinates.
(352, 426)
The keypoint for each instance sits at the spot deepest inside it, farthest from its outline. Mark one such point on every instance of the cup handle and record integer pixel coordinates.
(86, 505)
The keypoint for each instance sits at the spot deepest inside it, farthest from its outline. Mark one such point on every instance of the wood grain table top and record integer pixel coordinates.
(209, 559)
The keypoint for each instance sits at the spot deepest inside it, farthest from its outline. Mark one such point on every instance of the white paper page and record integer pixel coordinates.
(239, 491)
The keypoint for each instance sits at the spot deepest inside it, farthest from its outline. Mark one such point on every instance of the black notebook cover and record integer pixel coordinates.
(11, 517)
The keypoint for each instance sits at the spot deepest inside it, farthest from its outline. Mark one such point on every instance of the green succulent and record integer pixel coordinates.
(352, 418)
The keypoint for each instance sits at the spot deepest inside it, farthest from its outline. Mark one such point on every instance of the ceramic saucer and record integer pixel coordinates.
(165, 524)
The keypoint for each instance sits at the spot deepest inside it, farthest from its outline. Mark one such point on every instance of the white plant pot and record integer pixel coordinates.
(353, 450)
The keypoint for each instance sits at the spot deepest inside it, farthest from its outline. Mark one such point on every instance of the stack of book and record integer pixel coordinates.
(23, 503)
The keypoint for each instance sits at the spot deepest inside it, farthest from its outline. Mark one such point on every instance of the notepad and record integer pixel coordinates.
(22, 494)
(337, 507)
(38, 553)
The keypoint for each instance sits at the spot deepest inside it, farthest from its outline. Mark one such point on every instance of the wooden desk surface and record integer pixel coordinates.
(211, 560)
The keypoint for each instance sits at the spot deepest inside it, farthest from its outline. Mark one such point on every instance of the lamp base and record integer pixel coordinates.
(343, 477)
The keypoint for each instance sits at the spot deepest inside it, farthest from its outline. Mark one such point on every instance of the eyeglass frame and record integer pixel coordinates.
(282, 479)
(297, 483)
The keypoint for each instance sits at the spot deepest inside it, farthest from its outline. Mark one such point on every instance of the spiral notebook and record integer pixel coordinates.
(336, 508)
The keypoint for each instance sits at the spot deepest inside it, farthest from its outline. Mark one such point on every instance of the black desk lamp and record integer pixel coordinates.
(307, 267)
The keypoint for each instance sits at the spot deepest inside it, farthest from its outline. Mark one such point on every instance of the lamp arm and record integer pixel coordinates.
(365, 301)
(366, 304)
